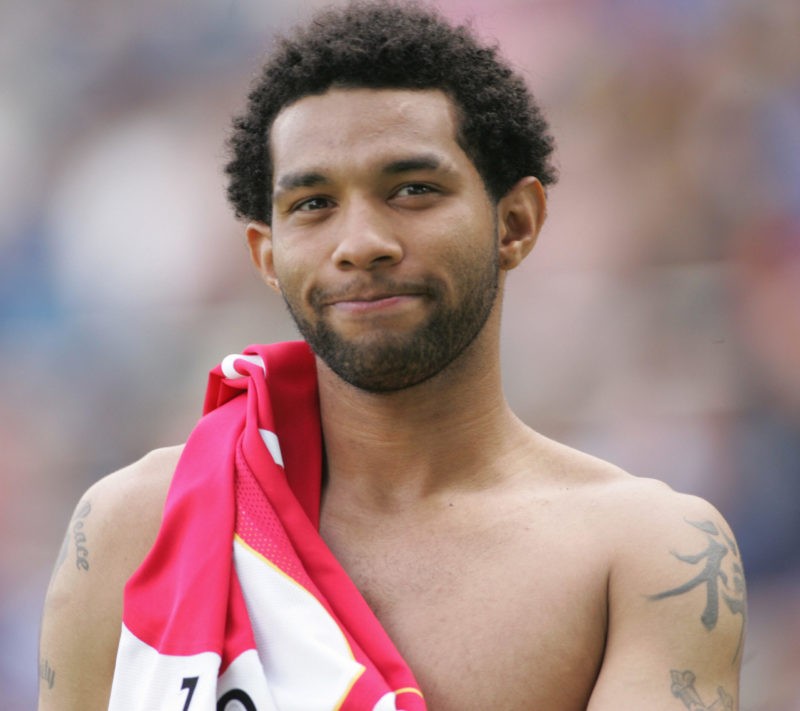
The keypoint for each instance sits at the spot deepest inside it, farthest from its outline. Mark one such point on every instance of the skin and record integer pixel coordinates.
(512, 572)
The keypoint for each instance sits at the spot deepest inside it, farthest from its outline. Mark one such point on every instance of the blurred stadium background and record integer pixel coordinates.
(657, 324)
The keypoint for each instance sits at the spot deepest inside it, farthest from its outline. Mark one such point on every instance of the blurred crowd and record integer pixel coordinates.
(657, 323)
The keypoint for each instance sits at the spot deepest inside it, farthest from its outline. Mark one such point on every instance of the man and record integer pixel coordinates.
(392, 171)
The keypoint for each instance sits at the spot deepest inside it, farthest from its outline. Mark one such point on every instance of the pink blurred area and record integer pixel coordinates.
(656, 324)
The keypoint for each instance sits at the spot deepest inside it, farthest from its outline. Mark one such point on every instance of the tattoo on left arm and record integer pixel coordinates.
(46, 673)
(75, 533)
(683, 689)
(732, 589)
(79, 536)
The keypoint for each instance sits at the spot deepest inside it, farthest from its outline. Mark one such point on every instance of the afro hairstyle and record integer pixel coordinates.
(383, 44)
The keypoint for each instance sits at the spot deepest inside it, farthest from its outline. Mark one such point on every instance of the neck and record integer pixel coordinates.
(447, 434)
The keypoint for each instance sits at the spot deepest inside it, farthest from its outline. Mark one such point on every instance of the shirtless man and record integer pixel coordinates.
(512, 572)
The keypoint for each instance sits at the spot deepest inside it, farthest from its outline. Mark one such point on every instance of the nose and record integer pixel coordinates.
(366, 239)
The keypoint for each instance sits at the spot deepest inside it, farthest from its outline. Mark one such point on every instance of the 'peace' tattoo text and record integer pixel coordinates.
(79, 536)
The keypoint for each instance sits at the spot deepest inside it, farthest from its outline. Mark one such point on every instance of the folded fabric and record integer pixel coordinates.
(240, 604)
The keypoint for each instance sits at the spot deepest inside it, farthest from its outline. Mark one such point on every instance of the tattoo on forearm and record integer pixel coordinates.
(729, 586)
(46, 673)
(79, 536)
(683, 689)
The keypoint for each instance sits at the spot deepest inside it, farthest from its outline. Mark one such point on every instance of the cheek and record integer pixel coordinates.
(289, 273)
(452, 233)
(471, 246)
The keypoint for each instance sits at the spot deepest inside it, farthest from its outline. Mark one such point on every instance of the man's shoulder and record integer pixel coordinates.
(643, 509)
(660, 534)
(140, 486)
(631, 511)
(132, 498)
(617, 490)
(641, 498)
(118, 517)
(113, 527)
(676, 595)
(652, 535)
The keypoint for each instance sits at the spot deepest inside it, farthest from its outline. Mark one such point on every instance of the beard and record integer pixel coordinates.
(383, 361)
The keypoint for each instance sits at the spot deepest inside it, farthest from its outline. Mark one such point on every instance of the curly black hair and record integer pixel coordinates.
(384, 44)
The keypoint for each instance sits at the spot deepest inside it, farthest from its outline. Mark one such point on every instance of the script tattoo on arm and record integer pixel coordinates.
(728, 586)
(683, 689)
(46, 673)
(79, 535)
(75, 532)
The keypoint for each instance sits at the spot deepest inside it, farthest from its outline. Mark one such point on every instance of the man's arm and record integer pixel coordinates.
(110, 532)
(677, 609)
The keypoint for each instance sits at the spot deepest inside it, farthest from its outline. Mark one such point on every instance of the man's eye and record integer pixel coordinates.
(310, 204)
(414, 189)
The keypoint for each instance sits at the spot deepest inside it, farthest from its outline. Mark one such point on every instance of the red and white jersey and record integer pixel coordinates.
(240, 605)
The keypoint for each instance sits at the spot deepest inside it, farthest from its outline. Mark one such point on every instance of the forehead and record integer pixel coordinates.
(358, 125)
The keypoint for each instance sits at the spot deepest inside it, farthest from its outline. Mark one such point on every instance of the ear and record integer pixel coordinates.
(259, 240)
(520, 216)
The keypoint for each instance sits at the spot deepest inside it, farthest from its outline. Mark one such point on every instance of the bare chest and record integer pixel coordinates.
(509, 617)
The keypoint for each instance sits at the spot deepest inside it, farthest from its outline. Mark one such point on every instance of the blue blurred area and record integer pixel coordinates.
(657, 324)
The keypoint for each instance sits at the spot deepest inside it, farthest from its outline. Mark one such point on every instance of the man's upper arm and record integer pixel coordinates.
(677, 610)
(110, 532)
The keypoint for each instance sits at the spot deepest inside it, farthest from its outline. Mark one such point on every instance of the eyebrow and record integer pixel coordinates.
(300, 179)
(425, 161)
(311, 179)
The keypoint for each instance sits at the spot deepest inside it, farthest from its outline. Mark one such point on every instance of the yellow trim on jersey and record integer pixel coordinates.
(406, 690)
(349, 688)
(238, 539)
(410, 690)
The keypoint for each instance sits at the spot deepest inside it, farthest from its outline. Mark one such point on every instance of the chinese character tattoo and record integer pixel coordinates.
(720, 585)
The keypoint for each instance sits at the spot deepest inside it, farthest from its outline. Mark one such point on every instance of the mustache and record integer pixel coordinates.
(375, 287)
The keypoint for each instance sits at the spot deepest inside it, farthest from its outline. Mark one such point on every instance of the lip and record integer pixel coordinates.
(374, 302)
